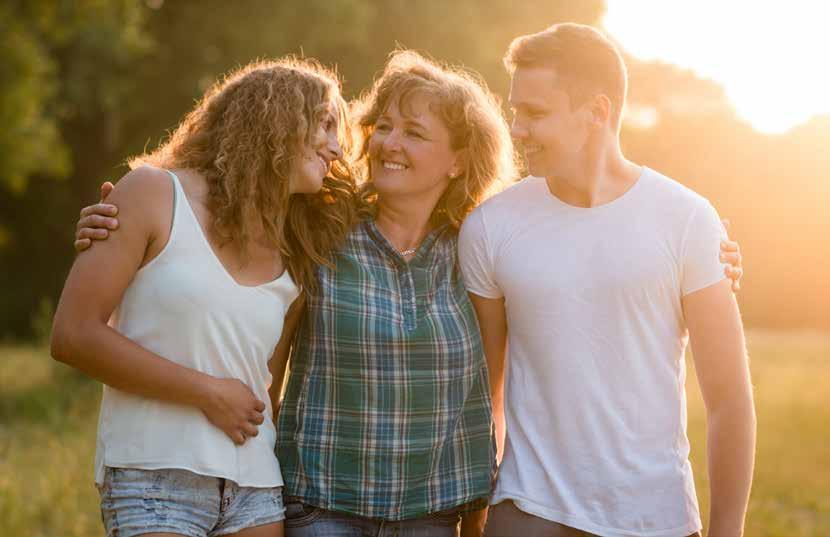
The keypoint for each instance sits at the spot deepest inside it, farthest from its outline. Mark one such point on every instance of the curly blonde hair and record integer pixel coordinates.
(469, 110)
(244, 137)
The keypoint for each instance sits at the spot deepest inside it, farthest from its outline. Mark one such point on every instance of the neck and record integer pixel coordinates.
(603, 176)
(197, 191)
(404, 225)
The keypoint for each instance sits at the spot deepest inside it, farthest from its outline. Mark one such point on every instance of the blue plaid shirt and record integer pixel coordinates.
(387, 411)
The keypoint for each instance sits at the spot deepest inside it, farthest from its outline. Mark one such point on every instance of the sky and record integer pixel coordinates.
(772, 58)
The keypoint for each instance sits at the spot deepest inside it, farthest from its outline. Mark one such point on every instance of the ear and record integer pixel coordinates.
(600, 110)
(460, 164)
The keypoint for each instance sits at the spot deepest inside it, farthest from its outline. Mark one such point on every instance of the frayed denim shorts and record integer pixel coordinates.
(134, 502)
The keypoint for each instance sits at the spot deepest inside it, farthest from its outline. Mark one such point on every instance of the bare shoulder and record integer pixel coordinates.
(143, 184)
(144, 198)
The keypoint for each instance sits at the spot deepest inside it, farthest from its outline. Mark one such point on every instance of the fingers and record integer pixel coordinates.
(733, 258)
(243, 433)
(82, 244)
(249, 430)
(97, 221)
(729, 246)
(92, 234)
(104, 209)
(259, 406)
(106, 188)
(733, 273)
(256, 418)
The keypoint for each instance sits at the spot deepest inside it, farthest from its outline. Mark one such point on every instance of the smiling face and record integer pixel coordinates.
(314, 160)
(552, 134)
(409, 150)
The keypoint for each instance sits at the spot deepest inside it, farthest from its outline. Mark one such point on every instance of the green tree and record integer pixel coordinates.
(100, 80)
(64, 79)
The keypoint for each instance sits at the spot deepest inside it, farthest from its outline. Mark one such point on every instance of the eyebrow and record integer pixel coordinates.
(414, 123)
(409, 122)
(527, 104)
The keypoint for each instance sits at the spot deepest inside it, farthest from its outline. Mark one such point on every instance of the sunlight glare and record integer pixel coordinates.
(769, 57)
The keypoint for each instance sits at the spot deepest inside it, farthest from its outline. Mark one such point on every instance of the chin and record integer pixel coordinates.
(383, 184)
(537, 170)
(312, 186)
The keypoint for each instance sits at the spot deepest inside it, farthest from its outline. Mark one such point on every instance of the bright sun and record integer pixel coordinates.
(771, 57)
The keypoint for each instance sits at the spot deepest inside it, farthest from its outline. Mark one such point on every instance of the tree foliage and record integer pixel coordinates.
(86, 83)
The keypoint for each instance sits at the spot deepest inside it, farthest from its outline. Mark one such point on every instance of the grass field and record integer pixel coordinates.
(48, 417)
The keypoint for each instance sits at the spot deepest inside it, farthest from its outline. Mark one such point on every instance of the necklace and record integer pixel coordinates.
(410, 251)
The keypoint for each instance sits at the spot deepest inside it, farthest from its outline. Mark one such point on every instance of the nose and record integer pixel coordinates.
(333, 149)
(391, 141)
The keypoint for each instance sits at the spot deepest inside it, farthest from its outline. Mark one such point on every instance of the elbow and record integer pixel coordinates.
(736, 412)
(63, 343)
(59, 343)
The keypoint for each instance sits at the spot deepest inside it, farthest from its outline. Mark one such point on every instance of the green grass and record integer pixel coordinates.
(791, 489)
(48, 415)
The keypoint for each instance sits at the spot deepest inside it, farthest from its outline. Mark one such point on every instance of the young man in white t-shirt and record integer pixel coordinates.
(596, 271)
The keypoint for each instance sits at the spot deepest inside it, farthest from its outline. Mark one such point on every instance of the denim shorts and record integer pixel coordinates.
(135, 502)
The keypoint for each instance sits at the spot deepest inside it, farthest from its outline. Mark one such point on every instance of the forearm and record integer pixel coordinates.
(492, 321)
(731, 453)
(722, 366)
(472, 523)
(497, 397)
(279, 360)
(495, 350)
(101, 352)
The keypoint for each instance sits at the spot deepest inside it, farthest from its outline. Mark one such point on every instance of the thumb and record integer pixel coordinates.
(106, 188)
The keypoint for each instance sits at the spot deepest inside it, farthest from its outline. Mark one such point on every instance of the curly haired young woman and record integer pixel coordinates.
(221, 227)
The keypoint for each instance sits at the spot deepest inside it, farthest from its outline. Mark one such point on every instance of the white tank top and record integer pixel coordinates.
(183, 305)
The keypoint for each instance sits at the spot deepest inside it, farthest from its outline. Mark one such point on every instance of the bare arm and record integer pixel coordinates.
(82, 338)
(717, 340)
(472, 523)
(493, 323)
(281, 353)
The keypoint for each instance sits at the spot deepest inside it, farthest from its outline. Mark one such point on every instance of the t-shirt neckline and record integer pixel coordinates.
(616, 202)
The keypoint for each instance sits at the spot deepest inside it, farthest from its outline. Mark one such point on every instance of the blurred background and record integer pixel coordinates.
(729, 98)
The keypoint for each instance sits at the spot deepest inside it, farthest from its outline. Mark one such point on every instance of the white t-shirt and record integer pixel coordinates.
(595, 402)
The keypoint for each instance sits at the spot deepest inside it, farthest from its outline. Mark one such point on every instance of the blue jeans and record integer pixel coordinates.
(135, 502)
(303, 520)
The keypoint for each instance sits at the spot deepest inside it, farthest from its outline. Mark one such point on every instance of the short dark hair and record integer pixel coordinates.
(586, 60)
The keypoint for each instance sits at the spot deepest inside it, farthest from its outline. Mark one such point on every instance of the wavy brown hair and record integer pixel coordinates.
(470, 111)
(243, 137)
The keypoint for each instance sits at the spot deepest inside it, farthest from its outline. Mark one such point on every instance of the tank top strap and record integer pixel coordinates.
(178, 193)
(183, 221)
